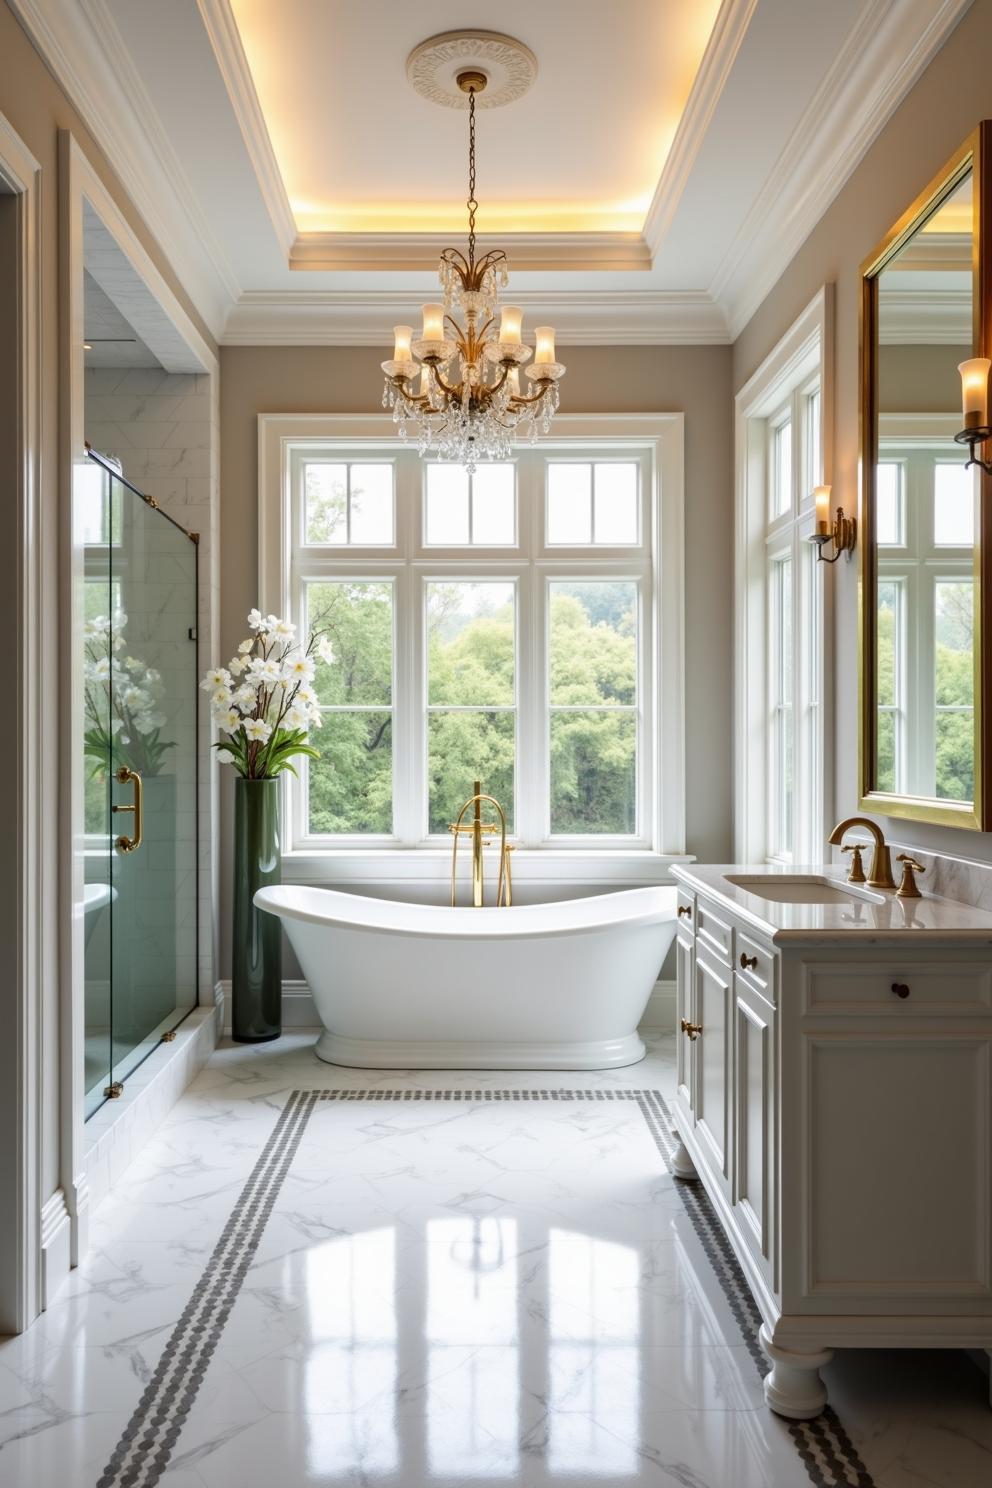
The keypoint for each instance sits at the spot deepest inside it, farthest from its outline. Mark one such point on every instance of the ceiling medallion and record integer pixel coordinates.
(478, 412)
(509, 67)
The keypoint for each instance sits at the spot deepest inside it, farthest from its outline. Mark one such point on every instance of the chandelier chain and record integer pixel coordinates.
(472, 204)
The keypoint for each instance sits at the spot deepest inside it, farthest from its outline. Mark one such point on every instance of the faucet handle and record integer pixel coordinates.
(857, 873)
(908, 888)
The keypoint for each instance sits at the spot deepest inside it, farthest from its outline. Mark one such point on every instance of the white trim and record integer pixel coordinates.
(366, 317)
(83, 48)
(805, 350)
(55, 1246)
(298, 1011)
(225, 39)
(725, 40)
(418, 252)
(664, 435)
(31, 958)
(882, 57)
(79, 184)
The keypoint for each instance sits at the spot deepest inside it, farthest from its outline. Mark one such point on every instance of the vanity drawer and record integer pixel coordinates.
(685, 910)
(713, 932)
(755, 964)
(898, 988)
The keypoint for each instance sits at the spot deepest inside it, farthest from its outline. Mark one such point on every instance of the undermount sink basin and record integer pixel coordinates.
(807, 888)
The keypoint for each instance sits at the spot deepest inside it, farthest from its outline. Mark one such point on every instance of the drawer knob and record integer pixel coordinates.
(900, 989)
(748, 963)
(685, 909)
(691, 1030)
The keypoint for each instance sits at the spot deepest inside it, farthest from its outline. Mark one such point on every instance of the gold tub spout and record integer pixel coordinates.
(482, 832)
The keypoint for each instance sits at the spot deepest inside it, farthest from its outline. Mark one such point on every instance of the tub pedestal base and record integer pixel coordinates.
(554, 1054)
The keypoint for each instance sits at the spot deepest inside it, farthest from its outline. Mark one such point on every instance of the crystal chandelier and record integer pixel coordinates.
(478, 412)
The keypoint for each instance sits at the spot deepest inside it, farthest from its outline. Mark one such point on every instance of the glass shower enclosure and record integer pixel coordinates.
(139, 660)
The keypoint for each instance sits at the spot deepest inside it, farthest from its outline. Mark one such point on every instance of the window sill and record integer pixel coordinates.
(428, 865)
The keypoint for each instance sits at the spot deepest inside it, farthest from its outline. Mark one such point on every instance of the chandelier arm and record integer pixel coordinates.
(453, 392)
(522, 401)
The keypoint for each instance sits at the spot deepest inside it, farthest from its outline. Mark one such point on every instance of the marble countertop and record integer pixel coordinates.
(867, 915)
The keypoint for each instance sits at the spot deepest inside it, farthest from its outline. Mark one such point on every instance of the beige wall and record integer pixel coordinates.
(657, 379)
(37, 109)
(920, 379)
(945, 105)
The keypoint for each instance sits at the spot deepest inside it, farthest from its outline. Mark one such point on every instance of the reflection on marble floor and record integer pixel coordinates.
(443, 1294)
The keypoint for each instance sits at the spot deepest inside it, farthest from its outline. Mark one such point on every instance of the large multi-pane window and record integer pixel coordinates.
(496, 627)
(794, 629)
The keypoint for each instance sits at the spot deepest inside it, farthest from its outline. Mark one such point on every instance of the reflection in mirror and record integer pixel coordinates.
(925, 513)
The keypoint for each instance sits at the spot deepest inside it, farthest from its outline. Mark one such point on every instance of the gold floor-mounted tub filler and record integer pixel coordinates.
(481, 833)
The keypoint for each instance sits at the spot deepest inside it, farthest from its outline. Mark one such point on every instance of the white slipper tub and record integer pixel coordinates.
(537, 986)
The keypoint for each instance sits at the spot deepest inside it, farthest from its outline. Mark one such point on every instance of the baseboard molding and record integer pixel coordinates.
(56, 1245)
(298, 1010)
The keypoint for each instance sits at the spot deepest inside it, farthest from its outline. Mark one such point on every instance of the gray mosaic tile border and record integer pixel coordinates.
(143, 1453)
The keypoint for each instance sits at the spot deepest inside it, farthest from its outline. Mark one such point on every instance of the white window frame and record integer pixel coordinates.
(799, 366)
(658, 440)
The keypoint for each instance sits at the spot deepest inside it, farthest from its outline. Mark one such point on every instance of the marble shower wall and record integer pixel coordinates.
(165, 430)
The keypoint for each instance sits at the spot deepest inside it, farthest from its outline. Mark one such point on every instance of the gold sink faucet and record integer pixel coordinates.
(481, 832)
(880, 872)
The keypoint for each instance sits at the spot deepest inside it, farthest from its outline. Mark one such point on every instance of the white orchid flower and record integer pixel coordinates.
(255, 620)
(225, 756)
(298, 669)
(246, 645)
(265, 671)
(283, 630)
(220, 696)
(236, 665)
(216, 677)
(228, 718)
(257, 728)
(325, 650)
(246, 696)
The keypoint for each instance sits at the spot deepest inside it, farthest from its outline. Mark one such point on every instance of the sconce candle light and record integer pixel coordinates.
(842, 532)
(975, 404)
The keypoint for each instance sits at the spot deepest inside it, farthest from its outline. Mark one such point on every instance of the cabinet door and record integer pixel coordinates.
(754, 1121)
(683, 1013)
(712, 989)
(898, 1198)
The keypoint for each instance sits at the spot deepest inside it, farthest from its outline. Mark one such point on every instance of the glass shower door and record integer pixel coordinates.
(153, 780)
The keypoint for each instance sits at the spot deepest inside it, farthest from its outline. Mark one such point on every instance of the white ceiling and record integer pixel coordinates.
(725, 162)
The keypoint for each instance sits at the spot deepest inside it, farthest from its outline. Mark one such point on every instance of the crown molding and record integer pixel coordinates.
(225, 41)
(724, 43)
(81, 46)
(940, 317)
(419, 252)
(365, 318)
(884, 54)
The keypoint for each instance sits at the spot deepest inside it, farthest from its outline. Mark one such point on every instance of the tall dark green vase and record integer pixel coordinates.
(256, 989)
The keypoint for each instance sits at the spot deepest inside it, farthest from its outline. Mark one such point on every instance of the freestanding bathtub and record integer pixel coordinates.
(536, 986)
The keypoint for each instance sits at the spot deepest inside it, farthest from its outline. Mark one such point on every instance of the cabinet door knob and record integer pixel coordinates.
(748, 963)
(691, 1030)
(900, 989)
(685, 909)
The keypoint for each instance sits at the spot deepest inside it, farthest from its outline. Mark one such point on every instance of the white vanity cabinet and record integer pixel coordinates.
(834, 1095)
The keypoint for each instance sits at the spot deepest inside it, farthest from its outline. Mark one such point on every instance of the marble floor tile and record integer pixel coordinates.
(434, 1294)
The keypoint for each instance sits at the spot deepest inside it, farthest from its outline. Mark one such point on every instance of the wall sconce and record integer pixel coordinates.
(975, 401)
(842, 532)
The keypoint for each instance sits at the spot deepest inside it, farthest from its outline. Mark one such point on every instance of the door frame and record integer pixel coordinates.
(80, 183)
(26, 563)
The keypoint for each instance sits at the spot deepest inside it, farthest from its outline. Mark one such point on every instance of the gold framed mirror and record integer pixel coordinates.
(926, 542)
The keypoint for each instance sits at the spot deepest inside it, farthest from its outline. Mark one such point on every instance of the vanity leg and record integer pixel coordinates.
(794, 1388)
(682, 1164)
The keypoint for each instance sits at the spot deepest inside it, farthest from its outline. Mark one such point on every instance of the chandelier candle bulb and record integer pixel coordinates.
(402, 336)
(975, 391)
(821, 497)
(433, 322)
(509, 326)
(545, 353)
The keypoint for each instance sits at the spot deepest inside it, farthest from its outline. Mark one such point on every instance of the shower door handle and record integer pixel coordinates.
(123, 843)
